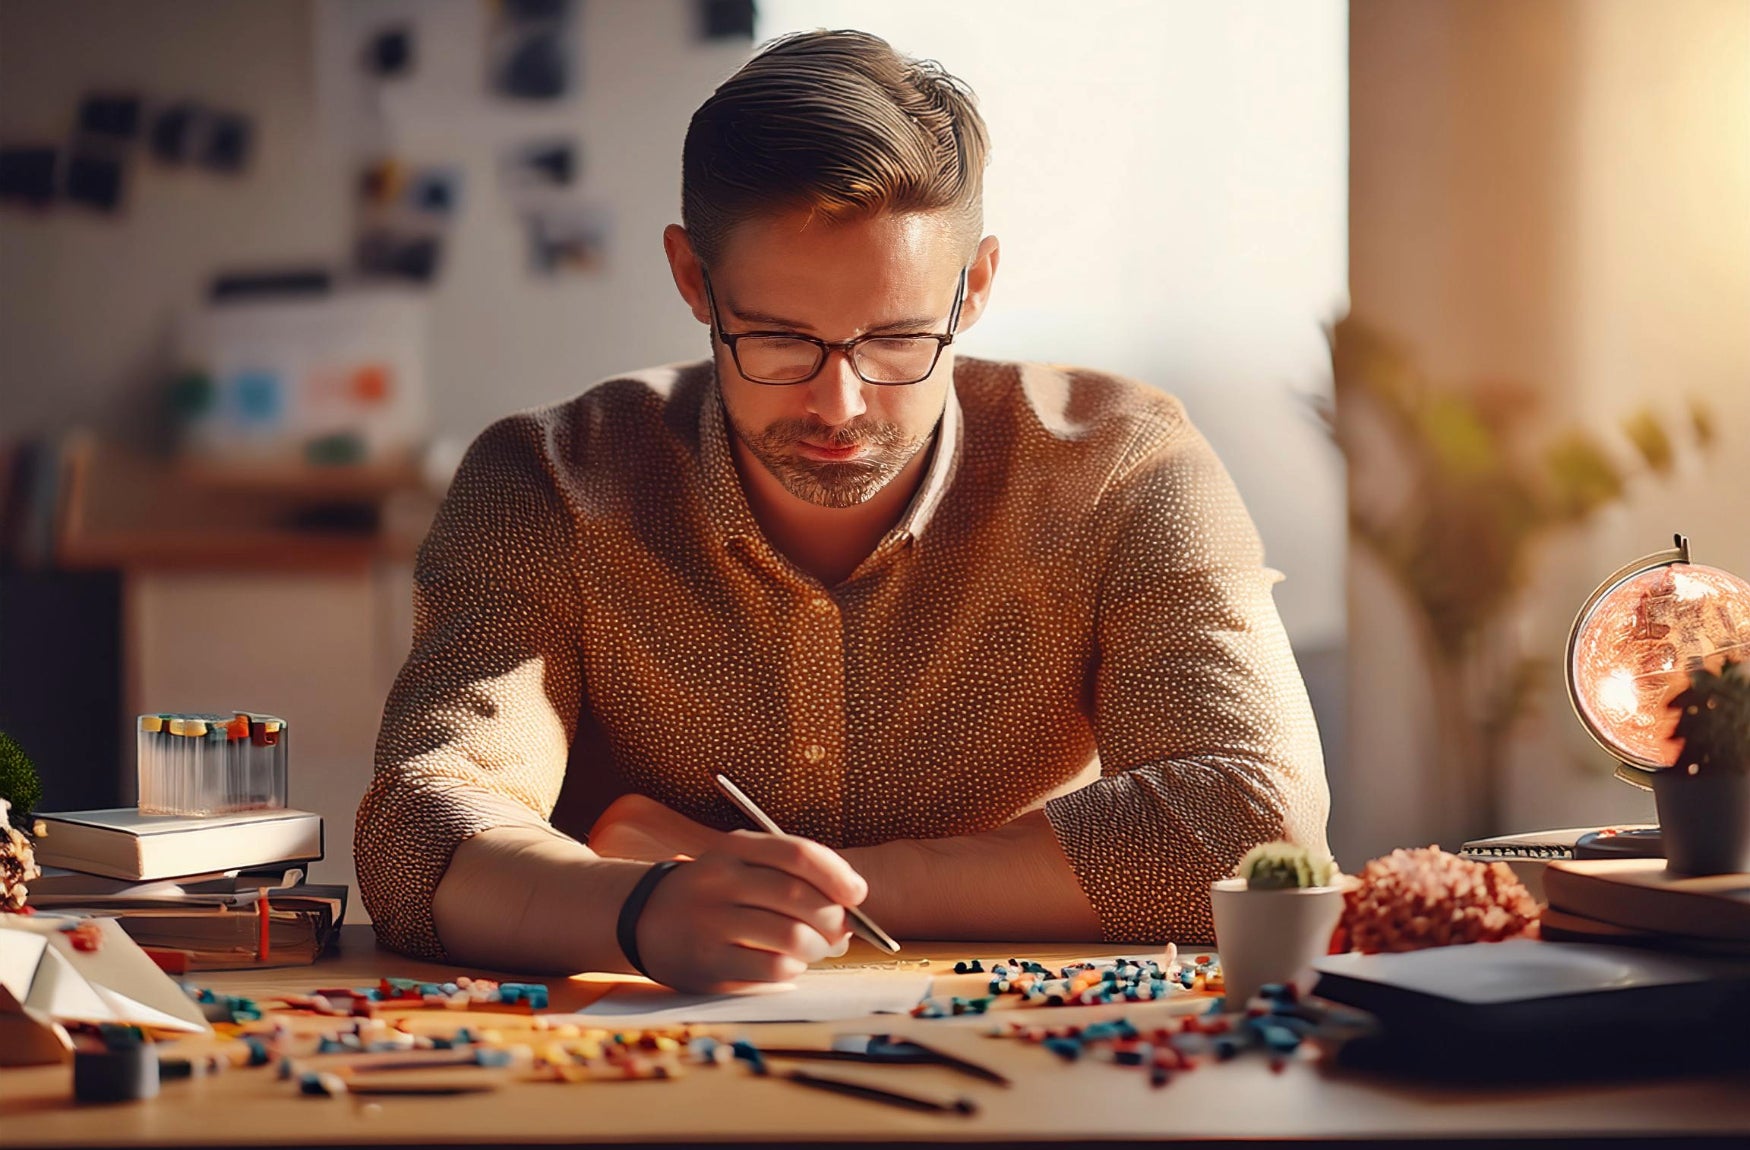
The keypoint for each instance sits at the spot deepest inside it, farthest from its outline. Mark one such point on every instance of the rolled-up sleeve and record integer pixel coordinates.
(1207, 741)
(478, 725)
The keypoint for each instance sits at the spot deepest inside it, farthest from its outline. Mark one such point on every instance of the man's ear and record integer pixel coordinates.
(980, 274)
(684, 265)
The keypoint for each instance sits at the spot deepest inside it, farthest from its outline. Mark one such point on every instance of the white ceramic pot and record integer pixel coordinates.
(1266, 936)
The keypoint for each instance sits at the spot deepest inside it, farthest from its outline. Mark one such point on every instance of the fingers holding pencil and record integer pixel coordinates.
(751, 909)
(864, 926)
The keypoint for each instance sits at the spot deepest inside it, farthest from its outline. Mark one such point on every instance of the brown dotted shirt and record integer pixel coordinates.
(1076, 592)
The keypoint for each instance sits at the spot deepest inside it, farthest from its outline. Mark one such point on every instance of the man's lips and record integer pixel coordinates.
(829, 453)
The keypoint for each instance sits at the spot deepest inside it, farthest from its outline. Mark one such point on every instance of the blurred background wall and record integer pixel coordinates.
(1548, 200)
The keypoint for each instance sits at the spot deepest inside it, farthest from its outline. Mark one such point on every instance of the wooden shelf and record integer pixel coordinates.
(361, 482)
(248, 550)
(121, 508)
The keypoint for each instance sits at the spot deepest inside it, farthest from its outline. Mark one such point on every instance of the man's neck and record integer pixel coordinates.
(827, 543)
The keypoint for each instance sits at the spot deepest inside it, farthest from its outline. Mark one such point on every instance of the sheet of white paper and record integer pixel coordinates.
(20, 953)
(816, 996)
(114, 983)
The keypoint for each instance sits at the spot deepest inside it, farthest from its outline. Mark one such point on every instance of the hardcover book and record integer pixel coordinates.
(123, 843)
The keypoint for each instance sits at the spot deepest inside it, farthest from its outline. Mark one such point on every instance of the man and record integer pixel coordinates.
(992, 642)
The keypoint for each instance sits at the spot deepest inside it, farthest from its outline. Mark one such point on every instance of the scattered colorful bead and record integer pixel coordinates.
(463, 993)
(222, 1008)
(1276, 1023)
(1080, 984)
(85, 935)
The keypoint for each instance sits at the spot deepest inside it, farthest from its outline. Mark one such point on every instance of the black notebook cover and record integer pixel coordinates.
(1542, 1009)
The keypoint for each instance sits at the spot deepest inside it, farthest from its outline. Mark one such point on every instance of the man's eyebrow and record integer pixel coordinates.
(916, 323)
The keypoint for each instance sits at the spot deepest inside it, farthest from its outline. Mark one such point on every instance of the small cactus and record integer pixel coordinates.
(1713, 720)
(1285, 866)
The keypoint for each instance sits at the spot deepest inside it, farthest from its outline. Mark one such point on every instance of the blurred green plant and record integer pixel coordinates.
(19, 783)
(1451, 495)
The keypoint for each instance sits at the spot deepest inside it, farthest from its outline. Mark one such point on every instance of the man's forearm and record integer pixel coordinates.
(1010, 883)
(520, 898)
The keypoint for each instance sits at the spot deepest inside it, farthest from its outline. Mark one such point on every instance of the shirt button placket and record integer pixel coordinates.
(819, 732)
(826, 636)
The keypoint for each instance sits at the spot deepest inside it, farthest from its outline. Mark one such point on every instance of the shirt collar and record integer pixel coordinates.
(728, 502)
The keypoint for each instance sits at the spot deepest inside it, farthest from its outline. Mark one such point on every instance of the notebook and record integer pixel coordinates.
(123, 843)
(1641, 895)
(1542, 1009)
(1564, 926)
(220, 930)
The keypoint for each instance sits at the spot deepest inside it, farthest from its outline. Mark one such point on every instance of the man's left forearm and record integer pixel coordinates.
(1010, 883)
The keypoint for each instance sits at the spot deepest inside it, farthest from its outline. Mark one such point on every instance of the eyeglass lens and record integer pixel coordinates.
(779, 359)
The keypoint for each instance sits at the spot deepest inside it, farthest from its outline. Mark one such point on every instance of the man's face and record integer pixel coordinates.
(835, 440)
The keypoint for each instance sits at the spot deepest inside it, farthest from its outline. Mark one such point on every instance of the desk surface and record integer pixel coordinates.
(1051, 1102)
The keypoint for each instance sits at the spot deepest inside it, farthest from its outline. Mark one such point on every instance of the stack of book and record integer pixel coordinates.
(1638, 902)
(218, 892)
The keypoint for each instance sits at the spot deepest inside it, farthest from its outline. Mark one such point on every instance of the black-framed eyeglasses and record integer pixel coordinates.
(778, 359)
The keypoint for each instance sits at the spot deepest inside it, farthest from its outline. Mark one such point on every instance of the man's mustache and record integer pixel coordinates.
(789, 431)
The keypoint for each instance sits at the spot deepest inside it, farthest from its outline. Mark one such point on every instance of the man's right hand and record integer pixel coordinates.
(754, 908)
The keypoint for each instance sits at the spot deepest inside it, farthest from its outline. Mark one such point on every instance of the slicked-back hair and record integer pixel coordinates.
(838, 124)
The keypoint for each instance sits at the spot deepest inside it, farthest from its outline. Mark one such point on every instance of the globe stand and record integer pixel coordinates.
(1633, 843)
(1630, 650)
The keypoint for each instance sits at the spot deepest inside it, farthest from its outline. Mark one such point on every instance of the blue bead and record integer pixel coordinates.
(1066, 1048)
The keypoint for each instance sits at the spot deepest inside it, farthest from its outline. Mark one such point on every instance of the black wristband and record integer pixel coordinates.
(633, 909)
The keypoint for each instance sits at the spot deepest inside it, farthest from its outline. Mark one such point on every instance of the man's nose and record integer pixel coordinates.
(835, 396)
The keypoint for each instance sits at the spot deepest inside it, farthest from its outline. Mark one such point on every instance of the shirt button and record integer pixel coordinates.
(814, 752)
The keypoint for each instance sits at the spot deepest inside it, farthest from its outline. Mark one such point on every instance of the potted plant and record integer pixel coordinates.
(1704, 799)
(1274, 917)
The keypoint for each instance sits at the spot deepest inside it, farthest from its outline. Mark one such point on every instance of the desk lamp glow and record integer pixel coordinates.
(1630, 652)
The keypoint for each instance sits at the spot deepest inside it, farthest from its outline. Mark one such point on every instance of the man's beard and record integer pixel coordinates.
(830, 483)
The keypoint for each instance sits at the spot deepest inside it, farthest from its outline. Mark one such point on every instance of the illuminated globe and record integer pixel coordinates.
(1638, 638)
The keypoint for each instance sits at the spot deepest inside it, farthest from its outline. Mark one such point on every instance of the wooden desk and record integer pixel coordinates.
(1050, 1103)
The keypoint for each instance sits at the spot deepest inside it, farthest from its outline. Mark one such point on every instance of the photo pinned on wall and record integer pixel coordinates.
(404, 212)
(390, 53)
(568, 238)
(531, 49)
(726, 19)
(106, 126)
(186, 132)
(537, 170)
(27, 174)
(96, 179)
(110, 116)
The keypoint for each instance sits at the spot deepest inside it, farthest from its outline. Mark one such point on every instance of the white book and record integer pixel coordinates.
(126, 844)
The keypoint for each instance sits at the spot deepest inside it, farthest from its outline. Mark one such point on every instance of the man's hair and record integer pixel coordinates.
(836, 123)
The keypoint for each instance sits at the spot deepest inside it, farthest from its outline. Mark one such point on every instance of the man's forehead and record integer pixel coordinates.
(791, 268)
(912, 240)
